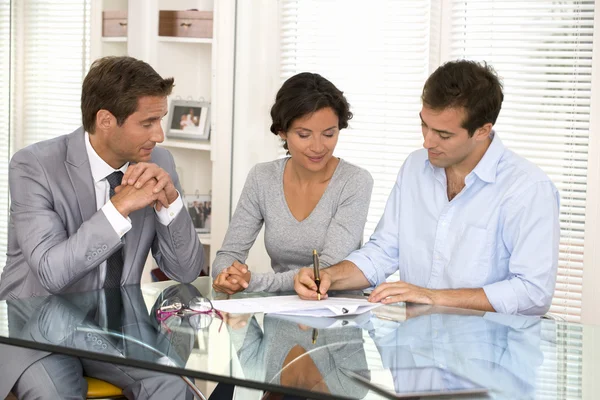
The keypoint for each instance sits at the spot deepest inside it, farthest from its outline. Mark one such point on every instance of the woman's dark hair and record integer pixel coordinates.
(304, 94)
(116, 84)
(469, 85)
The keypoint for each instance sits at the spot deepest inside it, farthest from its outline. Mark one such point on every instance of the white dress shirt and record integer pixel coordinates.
(121, 225)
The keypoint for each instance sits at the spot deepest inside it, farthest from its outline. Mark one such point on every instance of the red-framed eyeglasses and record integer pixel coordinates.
(200, 312)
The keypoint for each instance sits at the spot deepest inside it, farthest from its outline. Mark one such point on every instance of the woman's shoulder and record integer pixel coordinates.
(354, 173)
(268, 170)
(266, 177)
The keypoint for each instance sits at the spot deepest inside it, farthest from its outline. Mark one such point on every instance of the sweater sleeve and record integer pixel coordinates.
(243, 228)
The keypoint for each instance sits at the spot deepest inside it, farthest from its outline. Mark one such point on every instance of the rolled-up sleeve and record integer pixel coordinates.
(531, 232)
(378, 258)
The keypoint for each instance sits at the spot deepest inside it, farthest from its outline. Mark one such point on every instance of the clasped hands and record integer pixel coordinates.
(144, 184)
(386, 293)
(233, 279)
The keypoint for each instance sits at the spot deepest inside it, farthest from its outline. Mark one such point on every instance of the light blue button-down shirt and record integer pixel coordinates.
(500, 233)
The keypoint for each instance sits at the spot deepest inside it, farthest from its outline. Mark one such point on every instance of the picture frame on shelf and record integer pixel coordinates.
(199, 207)
(189, 119)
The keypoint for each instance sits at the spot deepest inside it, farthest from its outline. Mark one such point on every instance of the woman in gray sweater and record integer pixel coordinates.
(309, 200)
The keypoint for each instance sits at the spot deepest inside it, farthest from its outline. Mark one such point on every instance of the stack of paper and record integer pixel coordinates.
(294, 305)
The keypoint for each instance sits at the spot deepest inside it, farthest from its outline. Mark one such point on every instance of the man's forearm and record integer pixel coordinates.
(474, 299)
(347, 276)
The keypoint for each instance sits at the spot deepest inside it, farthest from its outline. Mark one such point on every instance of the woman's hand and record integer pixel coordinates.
(233, 279)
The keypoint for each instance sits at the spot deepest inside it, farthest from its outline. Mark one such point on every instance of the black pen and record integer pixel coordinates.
(315, 335)
(316, 271)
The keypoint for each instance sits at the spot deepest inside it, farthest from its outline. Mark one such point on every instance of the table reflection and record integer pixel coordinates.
(392, 347)
(282, 352)
(112, 322)
(499, 352)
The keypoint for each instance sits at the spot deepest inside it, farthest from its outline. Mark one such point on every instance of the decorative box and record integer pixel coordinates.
(114, 23)
(192, 24)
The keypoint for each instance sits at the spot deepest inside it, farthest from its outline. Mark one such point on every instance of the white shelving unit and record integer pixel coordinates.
(202, 68)
(106, 45)
(173, 39)
(114, 39)
(203, 145)
(191, 62)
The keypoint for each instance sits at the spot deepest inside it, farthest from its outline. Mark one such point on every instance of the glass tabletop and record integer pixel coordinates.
(165, 327)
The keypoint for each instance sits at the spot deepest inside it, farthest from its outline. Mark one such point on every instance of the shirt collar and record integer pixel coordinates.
(100, 169)
(487, 167)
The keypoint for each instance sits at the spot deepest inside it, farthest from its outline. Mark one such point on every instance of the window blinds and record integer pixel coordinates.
(378, 55)
(560, 374)
(543, 51)
(51, 64)
(4, 124)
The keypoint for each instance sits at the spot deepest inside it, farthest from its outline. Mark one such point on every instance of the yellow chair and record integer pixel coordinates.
(98, 389)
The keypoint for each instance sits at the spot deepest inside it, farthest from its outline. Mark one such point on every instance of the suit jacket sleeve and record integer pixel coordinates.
(57, 259)
(176, 248)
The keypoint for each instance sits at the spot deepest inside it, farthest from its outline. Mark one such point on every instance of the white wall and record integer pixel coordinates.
(256, 82)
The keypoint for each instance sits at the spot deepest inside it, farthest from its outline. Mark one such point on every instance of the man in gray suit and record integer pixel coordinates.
(86, 209)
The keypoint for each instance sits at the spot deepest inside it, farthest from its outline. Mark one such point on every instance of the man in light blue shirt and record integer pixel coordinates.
(468, 223)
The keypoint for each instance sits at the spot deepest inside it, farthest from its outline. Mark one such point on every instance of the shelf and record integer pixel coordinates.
(204, 238)
(187, 144)
(114, 39)
(175, 39)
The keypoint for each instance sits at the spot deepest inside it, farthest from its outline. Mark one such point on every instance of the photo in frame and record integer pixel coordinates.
(199, 206)
(189, 119)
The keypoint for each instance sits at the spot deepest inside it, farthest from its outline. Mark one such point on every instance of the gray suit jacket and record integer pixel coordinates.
(57, 238)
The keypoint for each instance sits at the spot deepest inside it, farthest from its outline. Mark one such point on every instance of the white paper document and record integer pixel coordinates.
(294, 305)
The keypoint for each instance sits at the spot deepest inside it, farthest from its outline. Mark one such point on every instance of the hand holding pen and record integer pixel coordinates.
(316, 272)
(305, 283)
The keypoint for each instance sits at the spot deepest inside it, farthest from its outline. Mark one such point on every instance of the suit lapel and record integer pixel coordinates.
(80, 173)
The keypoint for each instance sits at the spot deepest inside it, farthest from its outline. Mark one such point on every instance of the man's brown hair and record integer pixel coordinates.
(469, 85)
(116, 84)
